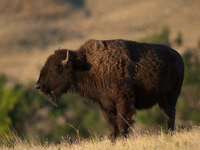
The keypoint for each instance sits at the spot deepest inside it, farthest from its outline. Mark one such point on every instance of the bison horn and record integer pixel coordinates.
(64, 62)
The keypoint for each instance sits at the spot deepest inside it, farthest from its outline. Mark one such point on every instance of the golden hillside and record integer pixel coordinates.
(31, 31)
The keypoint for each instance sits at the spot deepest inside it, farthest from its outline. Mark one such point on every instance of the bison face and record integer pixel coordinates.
(53, 77)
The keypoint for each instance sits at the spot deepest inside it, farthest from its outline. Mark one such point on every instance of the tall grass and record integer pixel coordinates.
(182, 139)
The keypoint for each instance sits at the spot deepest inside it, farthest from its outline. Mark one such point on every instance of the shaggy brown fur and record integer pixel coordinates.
(121, 76)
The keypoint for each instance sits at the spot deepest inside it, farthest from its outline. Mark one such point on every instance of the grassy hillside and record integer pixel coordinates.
(30, 31)
(183, 139)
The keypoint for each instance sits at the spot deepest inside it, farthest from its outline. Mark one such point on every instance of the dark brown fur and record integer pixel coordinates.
(120, 76)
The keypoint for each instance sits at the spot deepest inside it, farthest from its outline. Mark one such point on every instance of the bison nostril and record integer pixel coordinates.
(38, 86)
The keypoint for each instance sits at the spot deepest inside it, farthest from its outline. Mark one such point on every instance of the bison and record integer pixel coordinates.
(121, 76)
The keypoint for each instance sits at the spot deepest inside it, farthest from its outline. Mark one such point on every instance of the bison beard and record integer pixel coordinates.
(120, 76)
(54, 98)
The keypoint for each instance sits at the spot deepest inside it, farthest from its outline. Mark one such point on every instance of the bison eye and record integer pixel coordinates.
(55, 69)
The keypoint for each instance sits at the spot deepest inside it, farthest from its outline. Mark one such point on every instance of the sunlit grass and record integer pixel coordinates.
(182, 139)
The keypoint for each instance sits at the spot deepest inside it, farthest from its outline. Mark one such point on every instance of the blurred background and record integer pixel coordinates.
(31, 31)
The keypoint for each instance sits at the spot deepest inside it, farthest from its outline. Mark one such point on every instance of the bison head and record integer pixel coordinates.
(54, 76)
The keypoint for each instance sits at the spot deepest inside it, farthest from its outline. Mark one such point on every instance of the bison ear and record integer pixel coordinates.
(81, 65)
(64, 62)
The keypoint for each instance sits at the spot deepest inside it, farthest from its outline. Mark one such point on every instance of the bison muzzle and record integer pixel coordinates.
(120, 76)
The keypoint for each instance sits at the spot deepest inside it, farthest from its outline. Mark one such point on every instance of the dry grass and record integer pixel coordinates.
(183, 140)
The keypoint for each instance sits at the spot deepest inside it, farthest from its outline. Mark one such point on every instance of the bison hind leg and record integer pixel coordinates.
(168, 104)
(169, 111)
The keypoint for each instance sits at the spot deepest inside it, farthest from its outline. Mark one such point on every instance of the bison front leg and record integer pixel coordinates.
(124, 115)
(111, 119)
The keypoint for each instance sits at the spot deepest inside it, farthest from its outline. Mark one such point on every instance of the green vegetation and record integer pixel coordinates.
(31, 115)
(161, 37)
